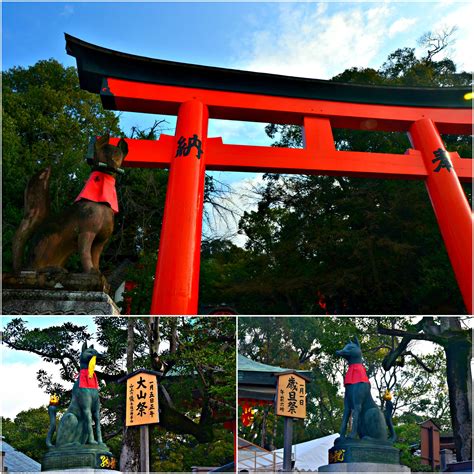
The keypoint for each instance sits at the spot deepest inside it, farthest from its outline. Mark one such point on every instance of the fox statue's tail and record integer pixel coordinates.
(36, 209)
(52, 425)
(388, 419)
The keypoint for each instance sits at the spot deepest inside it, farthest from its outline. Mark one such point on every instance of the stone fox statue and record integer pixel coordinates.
(75, 427)
(84, 227)
(368, 421)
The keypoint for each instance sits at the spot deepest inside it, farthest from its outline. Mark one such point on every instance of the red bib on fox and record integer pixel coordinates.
(86, 382)
(356, 374)
(100, 187)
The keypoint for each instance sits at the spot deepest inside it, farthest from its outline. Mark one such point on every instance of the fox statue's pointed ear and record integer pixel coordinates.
(123, 145)
(84, 346)
(356, 341)
(103, 140)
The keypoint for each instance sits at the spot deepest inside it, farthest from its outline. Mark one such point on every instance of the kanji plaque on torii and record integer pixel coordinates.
(197, 93)
(142, 400)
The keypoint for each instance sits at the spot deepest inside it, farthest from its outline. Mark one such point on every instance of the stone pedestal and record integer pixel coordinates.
(53, 292)
(360, 450)
(361, 455)
(86, 470)
(45, 302)
(85, 458)
(363, 467)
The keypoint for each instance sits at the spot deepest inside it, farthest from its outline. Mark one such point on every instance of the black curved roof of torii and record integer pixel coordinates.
(94, 63)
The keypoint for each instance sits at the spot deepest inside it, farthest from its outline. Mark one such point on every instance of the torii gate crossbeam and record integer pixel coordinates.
(197, 93)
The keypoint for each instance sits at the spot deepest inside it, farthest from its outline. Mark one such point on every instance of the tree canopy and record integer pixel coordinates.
(418, 377)
(338, 245)
(196, 391)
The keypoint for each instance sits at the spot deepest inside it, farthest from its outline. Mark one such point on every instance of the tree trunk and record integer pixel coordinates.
(130, 452)
(154, 341)
(263, 440)
(458, 357)
(130, 344)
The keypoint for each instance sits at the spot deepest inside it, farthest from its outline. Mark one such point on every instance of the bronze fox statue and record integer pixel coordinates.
(85, 227)
(368, 421)
(75, 427)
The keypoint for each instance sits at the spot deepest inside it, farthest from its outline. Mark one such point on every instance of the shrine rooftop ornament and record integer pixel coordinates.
(196, 93)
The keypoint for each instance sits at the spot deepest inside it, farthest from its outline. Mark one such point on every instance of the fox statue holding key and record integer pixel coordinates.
(79, 441)
(76, 425)
(368, 421)
(368, 447)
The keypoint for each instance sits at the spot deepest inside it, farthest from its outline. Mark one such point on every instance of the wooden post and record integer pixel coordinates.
(287, 443)
(144, 449)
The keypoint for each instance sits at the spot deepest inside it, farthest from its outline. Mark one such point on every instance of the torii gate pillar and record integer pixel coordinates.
(176, 286)
(449, 203)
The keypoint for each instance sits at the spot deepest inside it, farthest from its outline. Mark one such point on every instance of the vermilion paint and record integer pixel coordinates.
(449, 204)
(177, 276)
(177, 271)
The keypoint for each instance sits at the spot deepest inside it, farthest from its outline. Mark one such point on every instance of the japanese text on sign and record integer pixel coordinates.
(291, 396)
(142, 400)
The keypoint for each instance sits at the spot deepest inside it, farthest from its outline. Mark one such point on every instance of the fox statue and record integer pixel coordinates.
(75, 427)
(84, 227)
(368, 421)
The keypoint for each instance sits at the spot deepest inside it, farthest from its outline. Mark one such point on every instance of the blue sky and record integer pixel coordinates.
(21, 365)
(307, 39)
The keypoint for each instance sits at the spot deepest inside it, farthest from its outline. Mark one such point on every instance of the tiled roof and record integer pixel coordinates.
(15, 461)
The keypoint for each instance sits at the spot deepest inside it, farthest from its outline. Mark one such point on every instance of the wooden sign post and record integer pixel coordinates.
(290, 403)
(142, 408)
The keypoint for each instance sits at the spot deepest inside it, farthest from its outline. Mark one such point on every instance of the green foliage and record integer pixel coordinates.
(181, 453)
(27, 432)
(408, 440)
(335, 245)
(310, 344)
(197, 356)
(47, 120)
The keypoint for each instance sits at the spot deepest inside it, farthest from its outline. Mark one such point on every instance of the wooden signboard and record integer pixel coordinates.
(291, 396)
(142, 400)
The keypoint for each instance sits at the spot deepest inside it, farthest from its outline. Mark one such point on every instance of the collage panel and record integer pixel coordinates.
(366, 394)
(118, 394)
(236, 237)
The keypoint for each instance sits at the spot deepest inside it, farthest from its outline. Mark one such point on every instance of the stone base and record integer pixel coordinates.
(347, 450)
(45, 302)
(363, 467)
(53, 279)
(85, 458)
(86, 470)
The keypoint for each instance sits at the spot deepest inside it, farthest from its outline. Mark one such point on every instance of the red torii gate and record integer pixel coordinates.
(196, 93)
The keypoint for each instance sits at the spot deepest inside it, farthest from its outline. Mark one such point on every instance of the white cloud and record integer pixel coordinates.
(309, 41)
(400, 26)
(19, 389)
(239, 133)
(68, 10)
(462, 50)
(243, 196)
